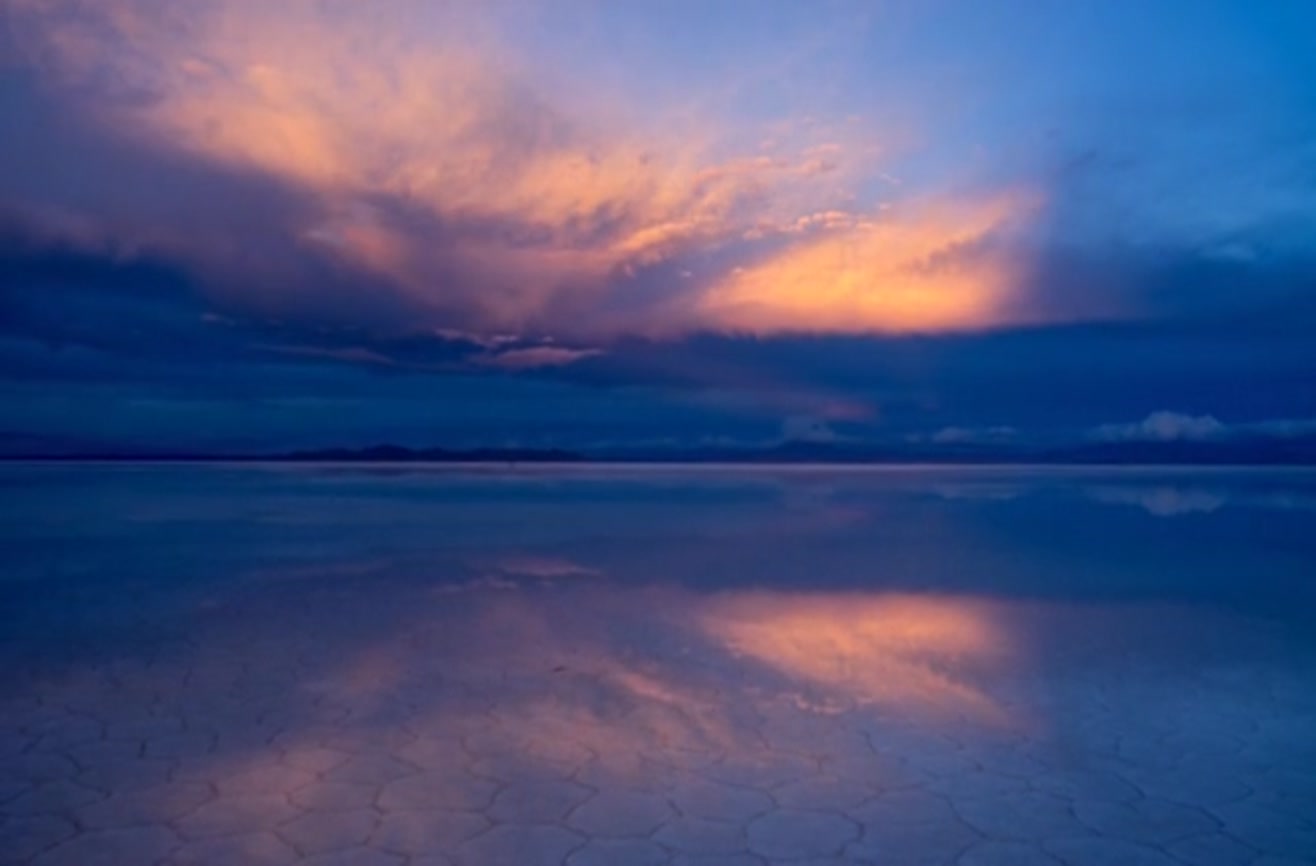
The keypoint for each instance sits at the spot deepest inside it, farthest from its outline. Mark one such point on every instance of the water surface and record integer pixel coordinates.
(486, 665)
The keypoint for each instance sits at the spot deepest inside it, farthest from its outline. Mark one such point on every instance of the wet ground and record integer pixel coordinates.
(415, 666)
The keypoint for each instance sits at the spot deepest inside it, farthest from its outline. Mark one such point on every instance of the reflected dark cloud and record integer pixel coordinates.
(1158, 492)
(1163, 501)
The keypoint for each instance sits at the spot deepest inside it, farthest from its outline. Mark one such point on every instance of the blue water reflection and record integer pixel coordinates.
(1227, 536)
(655, 664)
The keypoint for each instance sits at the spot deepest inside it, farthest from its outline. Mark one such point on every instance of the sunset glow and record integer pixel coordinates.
(644, 226)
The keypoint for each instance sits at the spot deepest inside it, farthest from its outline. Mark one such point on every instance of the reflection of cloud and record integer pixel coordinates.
(644, 683)
(489, 582)
(544, 567)
(1172, 500)
(421, 728)
(585, 665)
(996, 491)
(519, 572)
(900, 651)
(378, 671)
(1161, 501)
(631, 676)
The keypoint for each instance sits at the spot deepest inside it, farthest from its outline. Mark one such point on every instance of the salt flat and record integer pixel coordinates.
(207, 665)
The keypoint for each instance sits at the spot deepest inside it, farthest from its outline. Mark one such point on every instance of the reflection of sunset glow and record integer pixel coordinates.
(574, 672)
(637, 689)
(899, 650)
(398, 707)
(377, 672)
(581, 677)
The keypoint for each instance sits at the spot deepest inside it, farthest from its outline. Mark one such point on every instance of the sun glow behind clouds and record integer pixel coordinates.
(916, 272)
(442, 160)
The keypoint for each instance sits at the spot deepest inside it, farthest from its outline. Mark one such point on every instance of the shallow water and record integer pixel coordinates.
(649, 665)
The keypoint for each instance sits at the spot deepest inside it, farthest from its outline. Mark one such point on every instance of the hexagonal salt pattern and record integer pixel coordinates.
(358, 723)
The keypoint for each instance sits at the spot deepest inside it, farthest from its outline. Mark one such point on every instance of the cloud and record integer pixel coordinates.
(347, 355)
(411, 198)
(1163, 427)
(1283, 428)
(923, 269)
(531, 357)
(433, 161)
(964, 435)
(1175, 427)
(806, 428)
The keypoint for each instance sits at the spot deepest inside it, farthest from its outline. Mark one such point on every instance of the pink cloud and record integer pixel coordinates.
(431, 158)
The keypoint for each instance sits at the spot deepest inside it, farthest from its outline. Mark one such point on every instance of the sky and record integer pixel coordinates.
(244, 226)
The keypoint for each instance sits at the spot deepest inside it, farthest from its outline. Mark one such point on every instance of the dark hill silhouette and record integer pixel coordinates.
(1230, 451)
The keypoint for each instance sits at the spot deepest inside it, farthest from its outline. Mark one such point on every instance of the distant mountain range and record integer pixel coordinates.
(399, 454)
(1224, 452)
(373, 454)
(1296, 450)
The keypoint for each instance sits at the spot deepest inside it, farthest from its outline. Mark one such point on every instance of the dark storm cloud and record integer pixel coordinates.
(77, 317)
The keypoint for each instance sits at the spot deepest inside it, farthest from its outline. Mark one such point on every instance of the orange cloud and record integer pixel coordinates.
(925, 271)
(437, 164)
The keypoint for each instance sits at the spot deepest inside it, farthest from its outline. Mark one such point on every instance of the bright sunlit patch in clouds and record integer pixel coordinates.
(924, 271)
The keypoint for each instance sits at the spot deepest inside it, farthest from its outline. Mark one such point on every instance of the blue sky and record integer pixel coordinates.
(244, 226)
